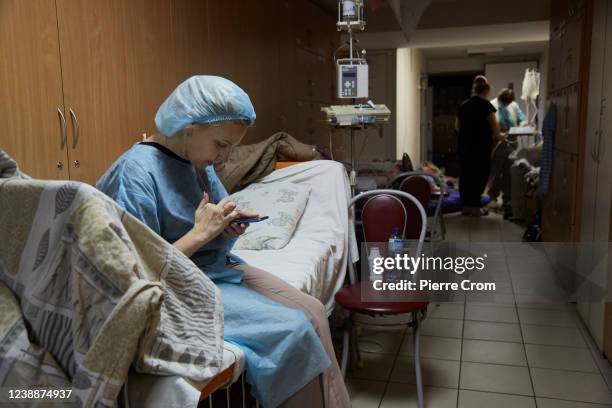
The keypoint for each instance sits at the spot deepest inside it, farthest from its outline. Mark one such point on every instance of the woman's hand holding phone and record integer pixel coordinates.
(236, 228)
(212, 219)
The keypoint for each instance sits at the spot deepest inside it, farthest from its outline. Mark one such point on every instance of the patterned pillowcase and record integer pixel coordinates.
(284, 203)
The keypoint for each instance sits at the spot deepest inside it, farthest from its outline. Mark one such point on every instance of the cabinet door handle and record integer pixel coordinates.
(64, 136)
(75, 125)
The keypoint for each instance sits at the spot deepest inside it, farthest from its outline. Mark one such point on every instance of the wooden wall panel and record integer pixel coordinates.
(569, 51)
(244, 47)
(120, 60)
(93, 40)
(31, 90)
(307, 57)
(152, 60)
(190, 39)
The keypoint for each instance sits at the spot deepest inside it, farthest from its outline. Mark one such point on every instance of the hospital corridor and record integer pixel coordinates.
(501, 352)
(306, 203)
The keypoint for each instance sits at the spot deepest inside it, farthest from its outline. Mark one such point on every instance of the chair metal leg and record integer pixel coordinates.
(243, 391)
(443, 226)
(358, 350)
(345, 345)
(354, 347)
(416, 337)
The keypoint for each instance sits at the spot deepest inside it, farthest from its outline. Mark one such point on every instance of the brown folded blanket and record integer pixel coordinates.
(251, 162)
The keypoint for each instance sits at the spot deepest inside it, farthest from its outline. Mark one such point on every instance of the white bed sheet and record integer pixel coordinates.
(315, 259)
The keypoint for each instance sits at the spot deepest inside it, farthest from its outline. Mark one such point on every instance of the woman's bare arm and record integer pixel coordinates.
(210, 221)
(191, 242)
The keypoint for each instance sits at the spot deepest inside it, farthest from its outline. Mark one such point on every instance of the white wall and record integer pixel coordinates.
(500, 75)
(410, 64)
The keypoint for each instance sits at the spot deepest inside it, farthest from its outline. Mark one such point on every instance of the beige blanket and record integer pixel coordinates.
(251, 162)
(97, 291)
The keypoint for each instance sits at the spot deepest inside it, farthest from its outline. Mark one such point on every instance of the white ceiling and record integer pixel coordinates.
(459, 13)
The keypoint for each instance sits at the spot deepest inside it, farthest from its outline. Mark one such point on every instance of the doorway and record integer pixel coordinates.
(447, 92)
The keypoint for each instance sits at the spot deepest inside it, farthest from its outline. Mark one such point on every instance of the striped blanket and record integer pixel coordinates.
(86, 291)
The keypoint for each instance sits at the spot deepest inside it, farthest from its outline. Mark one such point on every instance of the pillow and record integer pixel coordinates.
(284, 203)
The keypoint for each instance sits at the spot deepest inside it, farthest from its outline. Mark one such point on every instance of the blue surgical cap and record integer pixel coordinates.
(203, 99)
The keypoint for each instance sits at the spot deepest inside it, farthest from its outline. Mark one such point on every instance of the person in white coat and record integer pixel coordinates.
(508, 115)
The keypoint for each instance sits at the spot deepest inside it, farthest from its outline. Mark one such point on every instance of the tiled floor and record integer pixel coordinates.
(477, 355)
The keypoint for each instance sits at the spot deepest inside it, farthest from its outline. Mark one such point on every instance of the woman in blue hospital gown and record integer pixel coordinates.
(169, 183)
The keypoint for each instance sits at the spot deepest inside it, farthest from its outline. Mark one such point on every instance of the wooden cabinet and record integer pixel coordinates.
(596, 181)
(308, 39)
(570, 38)
(189, 54)
(108, 66)
(305, 120)
(118, 63)
(564, 167)
(31, 102)
(554, 61)
(311, 28)
(311, 124)
(314, 76)
(572, 132)
(568, 115)
(244, 47)
(566, 53)
(564, 10)
(559, 98)
(571, 50)
(100, 71)
(560, 203)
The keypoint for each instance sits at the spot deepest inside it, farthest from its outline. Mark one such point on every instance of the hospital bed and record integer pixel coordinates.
(314, 261)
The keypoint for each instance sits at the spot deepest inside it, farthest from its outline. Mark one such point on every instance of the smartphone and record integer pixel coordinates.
(249, 220)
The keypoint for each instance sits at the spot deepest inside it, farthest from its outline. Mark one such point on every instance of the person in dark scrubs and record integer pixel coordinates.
(477, 128)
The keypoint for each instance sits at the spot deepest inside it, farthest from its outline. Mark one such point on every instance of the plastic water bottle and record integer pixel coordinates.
(374, 253)
(393, 247)
(395, 242)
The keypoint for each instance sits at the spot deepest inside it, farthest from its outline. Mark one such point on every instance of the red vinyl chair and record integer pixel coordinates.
(436, 197)
(383, 211)
(420, 188)
(377, 229)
